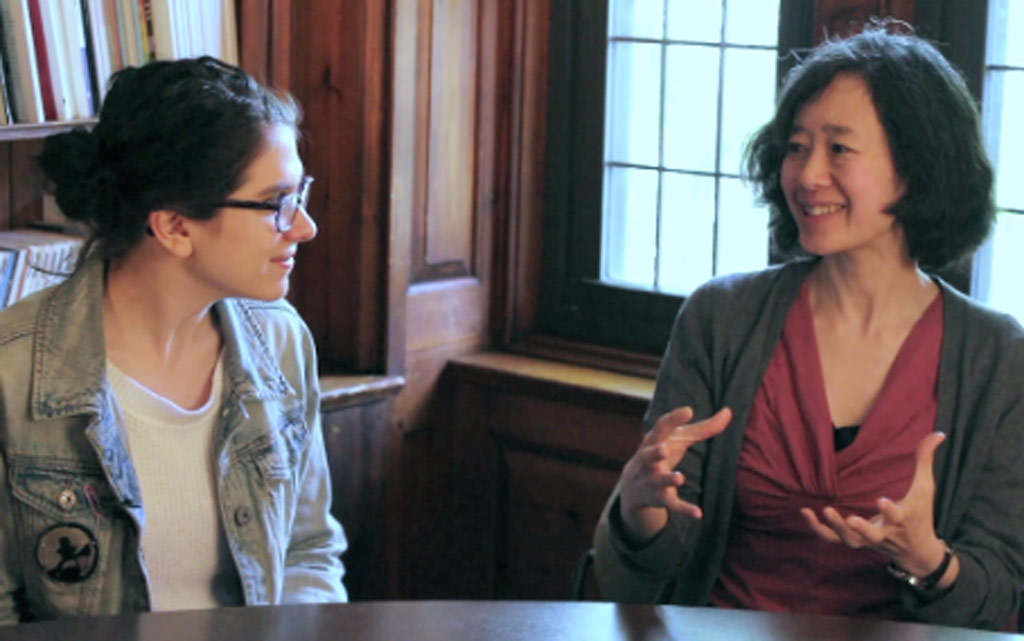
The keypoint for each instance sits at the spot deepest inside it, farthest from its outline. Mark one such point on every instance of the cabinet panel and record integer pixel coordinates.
(552, 507)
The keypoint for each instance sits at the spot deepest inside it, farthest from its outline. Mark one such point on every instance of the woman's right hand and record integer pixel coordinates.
(649, 485)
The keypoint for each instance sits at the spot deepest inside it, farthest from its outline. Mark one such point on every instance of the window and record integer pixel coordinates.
(1000, 261)
(687, 82)
(650, 105)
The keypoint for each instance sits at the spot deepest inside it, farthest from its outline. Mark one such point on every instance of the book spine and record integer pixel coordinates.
(146, 30)
(92, 55)
(113, 34)
(42, 59)
(23, 74)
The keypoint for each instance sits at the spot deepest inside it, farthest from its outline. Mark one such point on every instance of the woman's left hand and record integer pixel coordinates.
(903, 530)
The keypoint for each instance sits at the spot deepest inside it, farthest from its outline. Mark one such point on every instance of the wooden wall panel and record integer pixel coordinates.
(5, 185)
(357, 446)
(445, 177)
(339, 71)
(534, 453)
(446, 246)
(26, 183)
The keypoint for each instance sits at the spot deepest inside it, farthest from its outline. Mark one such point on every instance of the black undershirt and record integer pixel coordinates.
(843, 436)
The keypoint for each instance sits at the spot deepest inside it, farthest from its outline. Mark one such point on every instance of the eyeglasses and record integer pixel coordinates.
(285, 208)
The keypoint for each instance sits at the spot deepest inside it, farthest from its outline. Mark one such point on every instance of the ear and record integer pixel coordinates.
(172, 230)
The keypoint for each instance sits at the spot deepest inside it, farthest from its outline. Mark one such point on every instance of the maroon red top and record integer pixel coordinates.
(789, 460)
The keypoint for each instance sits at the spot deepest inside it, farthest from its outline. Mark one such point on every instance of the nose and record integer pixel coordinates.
(815, 171)
(304, 228)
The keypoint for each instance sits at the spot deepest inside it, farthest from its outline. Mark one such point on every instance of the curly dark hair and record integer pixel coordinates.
(934, 133)
(175, 135)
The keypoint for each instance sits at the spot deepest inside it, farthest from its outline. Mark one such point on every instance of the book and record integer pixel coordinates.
(42, 59)
(164, 45)
(40, 259)
(146, 30)
(56, 52)
(5, 111)
(110, 14)
(19, 56)
(97, 49)
(77, 58)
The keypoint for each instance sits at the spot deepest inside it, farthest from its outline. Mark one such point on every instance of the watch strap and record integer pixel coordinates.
(928, 582)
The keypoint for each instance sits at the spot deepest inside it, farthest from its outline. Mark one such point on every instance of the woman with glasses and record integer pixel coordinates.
(159, 411)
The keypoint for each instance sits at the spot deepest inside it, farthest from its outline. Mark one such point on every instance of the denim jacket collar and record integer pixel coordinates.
(70, 381)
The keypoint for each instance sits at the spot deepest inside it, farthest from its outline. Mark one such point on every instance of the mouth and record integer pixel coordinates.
(816, 211)
(284, 261)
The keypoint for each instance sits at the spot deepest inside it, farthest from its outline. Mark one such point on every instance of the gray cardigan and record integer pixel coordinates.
(724, 337)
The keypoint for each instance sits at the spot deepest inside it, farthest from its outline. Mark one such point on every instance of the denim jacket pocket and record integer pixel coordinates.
(277, 454)
(63, 511)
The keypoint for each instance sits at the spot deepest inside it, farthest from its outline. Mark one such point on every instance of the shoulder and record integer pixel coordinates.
(736, 295)
(976, 322)
(18, 322)
(274, 325)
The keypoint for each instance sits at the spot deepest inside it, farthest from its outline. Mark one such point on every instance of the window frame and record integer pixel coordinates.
(574, 304)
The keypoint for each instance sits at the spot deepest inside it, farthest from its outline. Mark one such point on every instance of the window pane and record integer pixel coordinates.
(752, 22)
(1006, 263)
(685, 258)
(748, 100)
(742, 229)
(699, 21)
(1005, 17)
(634, 88)
(630, 226)
(691, 107)
(636, 18)
(1004, 102)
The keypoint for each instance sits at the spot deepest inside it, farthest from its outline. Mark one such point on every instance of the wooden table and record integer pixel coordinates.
(483, 621)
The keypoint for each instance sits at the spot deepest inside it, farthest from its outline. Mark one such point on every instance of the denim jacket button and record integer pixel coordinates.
(67, 500)
(242, 515)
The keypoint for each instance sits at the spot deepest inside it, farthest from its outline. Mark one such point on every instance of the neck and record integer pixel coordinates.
(157, 324)
(870, 291)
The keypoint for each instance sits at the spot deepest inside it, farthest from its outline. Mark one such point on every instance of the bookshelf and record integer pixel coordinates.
(21, 183)
(28, 131)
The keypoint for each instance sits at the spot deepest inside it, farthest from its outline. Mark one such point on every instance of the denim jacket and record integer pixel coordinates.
(70, 506)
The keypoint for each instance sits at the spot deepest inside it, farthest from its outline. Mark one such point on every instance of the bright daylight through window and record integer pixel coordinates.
(1000, 262)
(688, 83)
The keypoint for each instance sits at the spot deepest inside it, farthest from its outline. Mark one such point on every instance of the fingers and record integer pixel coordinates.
(924, 466)
(667, 424)
(705, 429)
(819, 528)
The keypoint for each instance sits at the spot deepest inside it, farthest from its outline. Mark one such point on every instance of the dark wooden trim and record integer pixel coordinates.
(565, 381)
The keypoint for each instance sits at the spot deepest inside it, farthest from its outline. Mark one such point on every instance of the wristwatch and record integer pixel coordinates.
(924, 583)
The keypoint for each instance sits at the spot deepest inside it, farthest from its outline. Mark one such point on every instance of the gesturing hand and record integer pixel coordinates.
(903, 530)
(649, 485)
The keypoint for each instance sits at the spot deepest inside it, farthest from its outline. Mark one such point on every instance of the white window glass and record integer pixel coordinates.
(752, 22)
(1000, 261)
(748, 99)
(629, 250)
(742, 229)
(695, 21)
(685, 257)
(681, 104)
(636, 18)
(634, 76)
(1005, 264)
(1005, 17)
(1004, 100)
(691, 107)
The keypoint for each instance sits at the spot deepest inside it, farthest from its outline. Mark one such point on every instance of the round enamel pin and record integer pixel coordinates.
(67, 552)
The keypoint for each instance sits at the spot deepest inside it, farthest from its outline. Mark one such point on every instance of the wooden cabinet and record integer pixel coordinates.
(535, 448)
